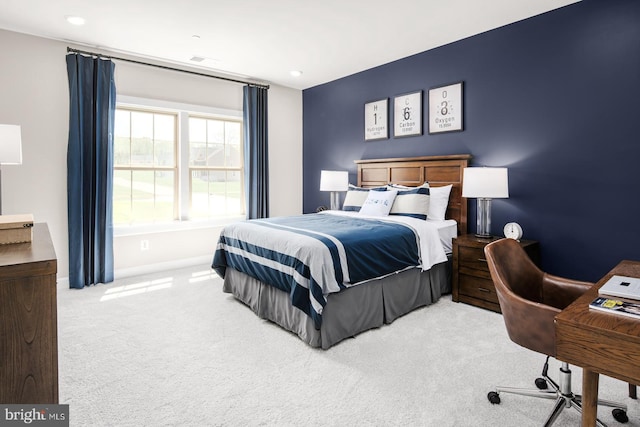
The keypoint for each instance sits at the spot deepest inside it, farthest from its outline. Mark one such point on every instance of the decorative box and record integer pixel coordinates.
(15, 228)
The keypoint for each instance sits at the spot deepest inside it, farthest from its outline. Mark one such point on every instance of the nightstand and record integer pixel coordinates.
(472, 282)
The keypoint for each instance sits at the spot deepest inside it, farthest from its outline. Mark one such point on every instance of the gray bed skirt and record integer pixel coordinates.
(348, 312)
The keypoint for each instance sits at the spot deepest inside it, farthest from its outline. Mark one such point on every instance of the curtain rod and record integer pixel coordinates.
(164, 67)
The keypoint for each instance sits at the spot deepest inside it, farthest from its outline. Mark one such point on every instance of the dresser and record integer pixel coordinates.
(28, 321)
(472, 282)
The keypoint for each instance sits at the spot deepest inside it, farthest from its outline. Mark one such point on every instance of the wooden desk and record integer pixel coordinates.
(600, 343)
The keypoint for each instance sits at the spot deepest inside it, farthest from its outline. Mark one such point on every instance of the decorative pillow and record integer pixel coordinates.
(378, 203)
(356, 196)
(438, 201)
(413, 203)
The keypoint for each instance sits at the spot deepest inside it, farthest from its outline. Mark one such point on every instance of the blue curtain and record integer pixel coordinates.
(256, 159)
(92, 95)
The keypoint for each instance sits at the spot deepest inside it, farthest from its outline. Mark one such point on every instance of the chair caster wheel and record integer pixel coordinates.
(494, 398)
(620, 415)
(541, 383)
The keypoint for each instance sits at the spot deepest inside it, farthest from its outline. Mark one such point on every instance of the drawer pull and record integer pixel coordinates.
(482, 259)
(484, 290)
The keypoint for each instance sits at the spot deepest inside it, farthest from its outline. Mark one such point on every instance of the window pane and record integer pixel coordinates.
(215, 193)
(233, 140)
(122, 197)
(165, 196)
(215, 154)
(199, 194)
(197, 129)
(234, 192)
(164, 137)
(141, 138)
(122, 138)
(142, 203)
(164, 153)
(141, 124)
(197, 141)
(215, 143)
(122, 126)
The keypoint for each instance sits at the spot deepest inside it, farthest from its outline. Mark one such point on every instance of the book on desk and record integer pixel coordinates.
(621, 287)
(619, 295)
(616, 306)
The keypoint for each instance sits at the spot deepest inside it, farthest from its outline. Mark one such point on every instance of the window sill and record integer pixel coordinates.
(132, 230)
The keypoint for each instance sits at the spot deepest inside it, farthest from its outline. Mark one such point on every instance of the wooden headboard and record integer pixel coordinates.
(414, 171)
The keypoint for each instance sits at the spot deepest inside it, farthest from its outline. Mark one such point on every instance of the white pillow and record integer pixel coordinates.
(438, 201)
(413, 202)
(378, 203)
(356, 196)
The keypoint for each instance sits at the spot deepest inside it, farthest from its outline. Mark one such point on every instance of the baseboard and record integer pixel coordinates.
(63, 282)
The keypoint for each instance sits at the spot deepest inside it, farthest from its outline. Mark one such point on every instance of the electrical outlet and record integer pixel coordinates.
(144, 245)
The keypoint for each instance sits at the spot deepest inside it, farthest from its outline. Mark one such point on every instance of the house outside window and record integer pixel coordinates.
(182, 164)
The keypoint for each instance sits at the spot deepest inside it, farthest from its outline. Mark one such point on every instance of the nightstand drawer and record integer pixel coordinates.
(483, 274)
(471, 282)
(478, 288)
(471, 257)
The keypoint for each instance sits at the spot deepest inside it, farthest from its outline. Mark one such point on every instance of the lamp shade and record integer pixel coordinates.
(10, 145)
(485, 183)
(334, 181)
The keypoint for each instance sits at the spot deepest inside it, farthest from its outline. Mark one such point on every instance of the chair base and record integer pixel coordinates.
(562, 395)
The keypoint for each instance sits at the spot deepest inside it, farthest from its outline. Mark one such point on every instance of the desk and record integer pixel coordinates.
(600, 343)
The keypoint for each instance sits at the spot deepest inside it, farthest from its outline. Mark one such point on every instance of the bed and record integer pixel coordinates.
(323, 307)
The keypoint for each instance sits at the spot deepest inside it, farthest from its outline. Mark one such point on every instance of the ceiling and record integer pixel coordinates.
(265, 40)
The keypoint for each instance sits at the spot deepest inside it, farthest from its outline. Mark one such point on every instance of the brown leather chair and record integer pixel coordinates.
(530, 299)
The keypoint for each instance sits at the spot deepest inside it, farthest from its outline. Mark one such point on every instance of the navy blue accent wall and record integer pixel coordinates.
(555, 98)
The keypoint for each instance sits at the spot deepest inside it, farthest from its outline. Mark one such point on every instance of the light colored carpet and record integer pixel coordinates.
(171, 349)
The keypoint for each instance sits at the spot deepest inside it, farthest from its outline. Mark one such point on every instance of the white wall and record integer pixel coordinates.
(34, 94)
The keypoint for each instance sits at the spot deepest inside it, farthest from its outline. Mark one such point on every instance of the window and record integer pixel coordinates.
(215, 167)
(145, 167)
(176, 164)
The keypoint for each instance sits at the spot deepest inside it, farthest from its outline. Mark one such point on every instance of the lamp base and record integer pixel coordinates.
(335, 201)
(484, 236)
(483, 224)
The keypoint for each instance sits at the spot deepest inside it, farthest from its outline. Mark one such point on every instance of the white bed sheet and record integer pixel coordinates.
(432, 250)
(448, 230)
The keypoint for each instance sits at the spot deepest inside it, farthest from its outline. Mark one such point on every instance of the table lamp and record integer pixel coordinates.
(334, 181)
(10, 149)
(484, 184)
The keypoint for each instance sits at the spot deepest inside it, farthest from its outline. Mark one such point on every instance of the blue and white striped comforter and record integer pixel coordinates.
(310, 256)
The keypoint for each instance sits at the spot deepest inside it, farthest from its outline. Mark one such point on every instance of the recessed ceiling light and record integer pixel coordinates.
(296, 73)
(75, 20)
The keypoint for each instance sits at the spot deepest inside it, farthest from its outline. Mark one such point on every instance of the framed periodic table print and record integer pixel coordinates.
(445, 108)
(407, 114)
(376, 120)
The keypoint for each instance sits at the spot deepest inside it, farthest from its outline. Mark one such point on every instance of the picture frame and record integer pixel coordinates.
(446, 112)
(376, 120)
(407, 114)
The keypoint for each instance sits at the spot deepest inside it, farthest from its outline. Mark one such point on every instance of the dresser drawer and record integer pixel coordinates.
(478, 288)
(471, 257)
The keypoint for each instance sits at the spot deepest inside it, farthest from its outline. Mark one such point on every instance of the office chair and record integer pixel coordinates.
(530, 299)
